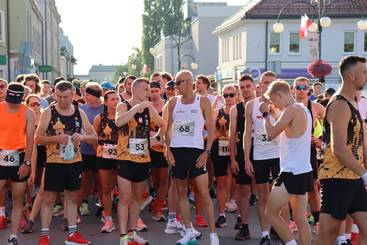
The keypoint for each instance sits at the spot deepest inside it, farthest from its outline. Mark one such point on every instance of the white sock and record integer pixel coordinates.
(348, 236)
(264, 233)
(341, 239)
(2, 211)
(223, 214)
(213, 235)
(293, 242)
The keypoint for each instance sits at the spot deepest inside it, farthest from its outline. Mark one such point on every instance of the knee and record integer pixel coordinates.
(299, 218)
(125, 199)
(182, 191)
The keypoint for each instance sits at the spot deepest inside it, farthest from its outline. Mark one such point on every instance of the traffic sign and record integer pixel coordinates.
(45, 68)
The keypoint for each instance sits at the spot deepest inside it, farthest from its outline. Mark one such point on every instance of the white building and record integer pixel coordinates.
(247, 43)
(67, 59)
(201, 47)
(102, 73)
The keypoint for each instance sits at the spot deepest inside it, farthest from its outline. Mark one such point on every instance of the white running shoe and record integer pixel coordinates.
(173, 227)
(214, 240)
(188, 238)
(196, 232)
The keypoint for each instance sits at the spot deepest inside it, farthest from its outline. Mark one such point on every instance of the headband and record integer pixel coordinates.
(14, 97)
(93, 92)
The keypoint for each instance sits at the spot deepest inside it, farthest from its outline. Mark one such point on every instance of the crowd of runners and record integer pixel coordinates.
(168, 143)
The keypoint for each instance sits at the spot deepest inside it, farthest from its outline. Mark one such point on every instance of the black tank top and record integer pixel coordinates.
(240, 127)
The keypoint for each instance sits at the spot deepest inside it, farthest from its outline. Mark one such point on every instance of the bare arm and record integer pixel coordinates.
(247, 136)
(272, 131)
(339, 116)
(168, 114)
(158, 120)
(96, 123)
(208, 115)
(123, 115)
(233, 132)
(41, 137)
(90, 136)
(30, 122)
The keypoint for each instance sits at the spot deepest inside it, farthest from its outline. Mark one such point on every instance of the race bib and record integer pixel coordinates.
(138, 146)
(109, 151)
(223, 148)
(262, 139)
(184, 129)
(9, 158)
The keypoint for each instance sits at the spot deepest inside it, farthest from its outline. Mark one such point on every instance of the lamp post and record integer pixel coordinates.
(194, 65)
(319, 8)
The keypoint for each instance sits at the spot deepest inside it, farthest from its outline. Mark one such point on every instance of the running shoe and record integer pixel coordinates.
(188, 239)
(221, 222)
(108, 227)
(238, 224)
(349, 242)
(173, 227)
(253, 200)
(196, 232)
(135, 239)
(44, 240)
(200, 221)
(231, 207)
(57, 210)
(28, 227)
(265, 240)
(311, 219)
(76, 239)
(3, 222)
(159, 216)
(293, 226)
(140, 226)
(243, 234)
(13, 241)
(146, 202)
(84, 209)
(214, 240)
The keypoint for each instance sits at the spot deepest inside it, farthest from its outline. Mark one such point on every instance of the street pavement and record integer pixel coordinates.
(90, 227)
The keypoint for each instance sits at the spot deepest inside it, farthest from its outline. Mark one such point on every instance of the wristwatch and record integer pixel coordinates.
(208, 151)
(27, 163)
(265, 114)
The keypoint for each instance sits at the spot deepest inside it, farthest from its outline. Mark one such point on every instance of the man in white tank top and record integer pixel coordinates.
(295, 178)
(187, 114)
(265, 163)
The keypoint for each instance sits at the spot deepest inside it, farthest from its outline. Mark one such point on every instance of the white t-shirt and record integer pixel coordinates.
(362, 105)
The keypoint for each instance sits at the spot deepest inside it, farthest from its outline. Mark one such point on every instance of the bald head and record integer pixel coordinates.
(185, 74)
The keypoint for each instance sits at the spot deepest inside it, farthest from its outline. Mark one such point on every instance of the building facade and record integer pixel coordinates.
(248, 44)
(102, 73)
(67, 59)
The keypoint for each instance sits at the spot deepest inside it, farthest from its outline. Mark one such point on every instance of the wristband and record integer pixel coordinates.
(364, 178)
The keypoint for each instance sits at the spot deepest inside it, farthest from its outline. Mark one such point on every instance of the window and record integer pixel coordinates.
(365, 42)
(349, 42)
(294, 47)
(274, 43)
(225, 49)
(2, 26)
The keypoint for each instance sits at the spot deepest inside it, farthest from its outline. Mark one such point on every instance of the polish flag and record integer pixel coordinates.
(305, 23)
(146, 69)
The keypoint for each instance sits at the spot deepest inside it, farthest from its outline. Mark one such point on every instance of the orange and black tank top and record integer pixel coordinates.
(13, 128)
(153, 131)
(107, 138)
(60, 124)
(331, 168)
(221, 143)
(133, 139)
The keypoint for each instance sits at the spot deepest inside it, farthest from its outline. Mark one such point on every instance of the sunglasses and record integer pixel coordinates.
(34, 104)
(231, 95)
(2, 86)
(302, 87)
(177, 83)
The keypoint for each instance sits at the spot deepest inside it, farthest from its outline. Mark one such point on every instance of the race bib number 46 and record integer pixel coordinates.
(184, 129)
(138, 146)
(9, 158)
(109, 151)
(223, 147)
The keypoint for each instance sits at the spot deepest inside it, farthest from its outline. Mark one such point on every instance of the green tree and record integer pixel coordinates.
(134, 63)
(121, 70)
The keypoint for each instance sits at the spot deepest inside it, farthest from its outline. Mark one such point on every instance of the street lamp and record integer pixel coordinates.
(194, 65)
(319, 7)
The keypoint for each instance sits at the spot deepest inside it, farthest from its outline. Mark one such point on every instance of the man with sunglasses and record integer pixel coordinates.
(187, 114)
(236, 131)
(265, 162)
(17, 123)
(301, 92)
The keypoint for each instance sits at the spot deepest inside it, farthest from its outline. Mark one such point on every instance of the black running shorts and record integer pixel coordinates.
(60, 177)
(185, 161)
(134, 172)
(298, 184)
(266, 170)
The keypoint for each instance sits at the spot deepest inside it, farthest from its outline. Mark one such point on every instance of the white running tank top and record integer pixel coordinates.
(188, 124)
(295, 152)
(263, 148)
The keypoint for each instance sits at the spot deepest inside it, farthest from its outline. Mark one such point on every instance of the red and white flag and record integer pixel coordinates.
(305, 23)
(146, 69)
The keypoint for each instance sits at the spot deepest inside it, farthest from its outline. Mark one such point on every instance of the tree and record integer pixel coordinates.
(121, 70)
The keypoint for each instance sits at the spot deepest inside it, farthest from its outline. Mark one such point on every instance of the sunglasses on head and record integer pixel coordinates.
(231, 95)
(34, 104)
(301, 87)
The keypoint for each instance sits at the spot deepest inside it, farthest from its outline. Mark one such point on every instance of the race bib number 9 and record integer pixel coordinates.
(109, 151)
(262, 139)
(223, 147)
(138, 146)
(184, 129)
(9, 158)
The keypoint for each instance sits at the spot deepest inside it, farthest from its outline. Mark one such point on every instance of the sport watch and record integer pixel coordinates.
(27, 163)
(265, 114)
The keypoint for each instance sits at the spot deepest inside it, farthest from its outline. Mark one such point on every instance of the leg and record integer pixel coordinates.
(172, 197)
(182, 188)
(201, 183)
(46, 209)
(244, 202)
(71, 204)
(134, 208)
(125, 187)
(299, 206)
(17, 189)
(329, 229)
(315, 201)
(38, 200)
(263, 190)
(360, 220)
(278, 198)
(222, 193)
(86, 185)
(108, 181)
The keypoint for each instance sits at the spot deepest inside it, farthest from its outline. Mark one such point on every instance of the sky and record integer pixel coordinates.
(105, 32)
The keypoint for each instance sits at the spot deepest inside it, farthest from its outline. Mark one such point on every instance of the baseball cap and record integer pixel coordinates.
(107, 86)
(170, 84)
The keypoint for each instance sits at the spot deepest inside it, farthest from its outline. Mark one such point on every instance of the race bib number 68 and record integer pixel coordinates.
(184, 129)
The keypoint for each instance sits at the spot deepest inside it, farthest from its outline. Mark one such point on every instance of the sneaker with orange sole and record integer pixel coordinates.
(108, 226)
(140, 226)
(76, 239)
(200, 221)
(3, 222)
(44, 240)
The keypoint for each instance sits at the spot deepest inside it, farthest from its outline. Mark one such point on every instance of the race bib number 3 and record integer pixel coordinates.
(9, 158)
(138, 146)
(223, 147)
(185, 129)
(262, 139)
(109, 151)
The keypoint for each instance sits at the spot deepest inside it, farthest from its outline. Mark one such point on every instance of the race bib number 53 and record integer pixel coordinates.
(9, 158)
(138, 146)
(184, 129)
